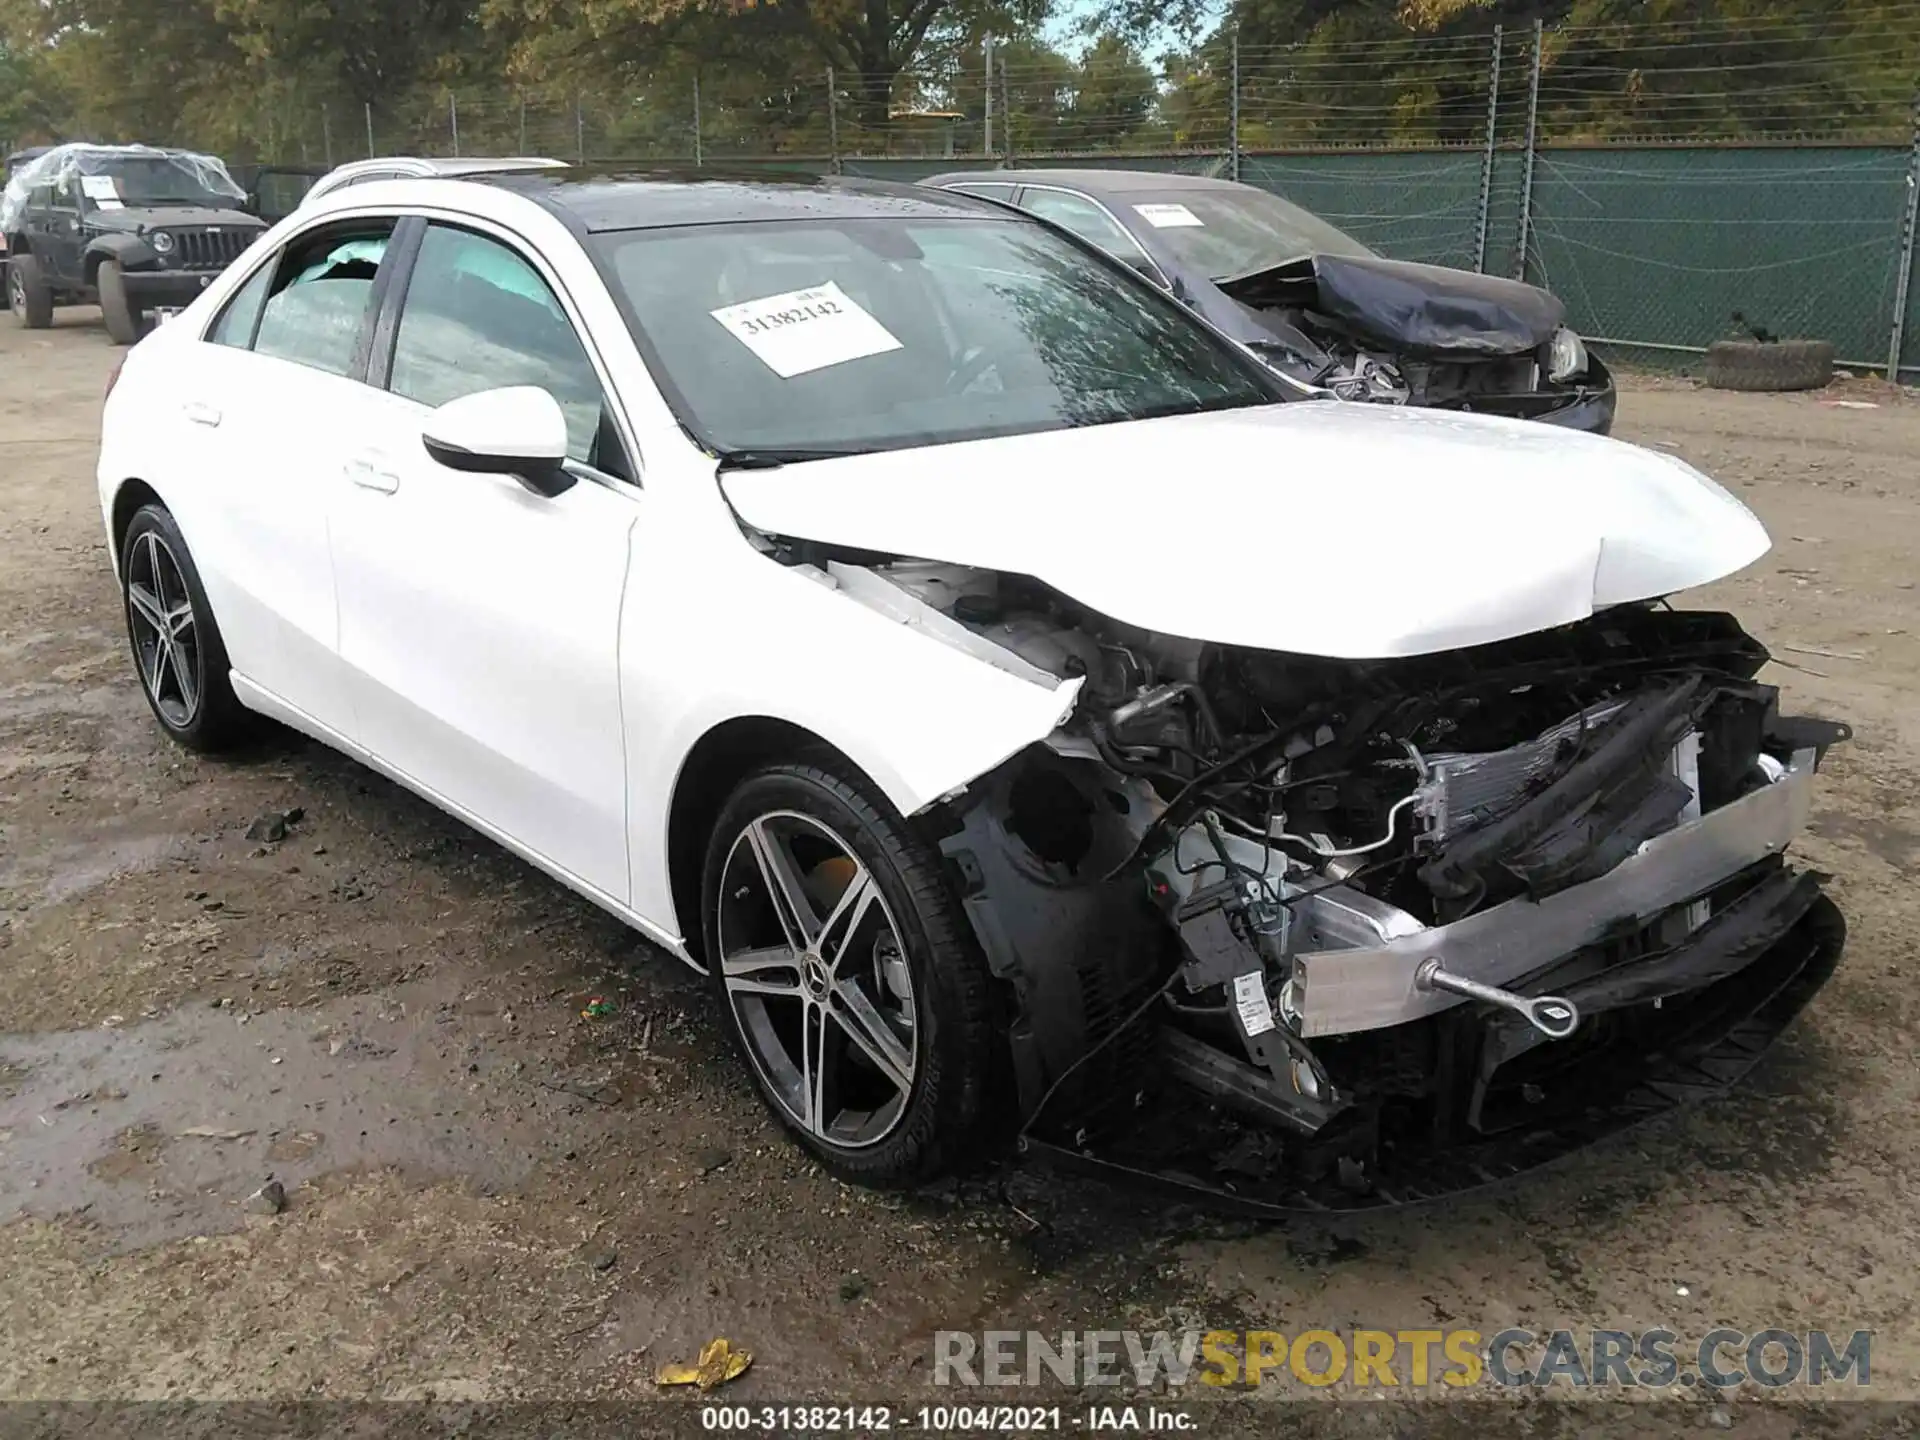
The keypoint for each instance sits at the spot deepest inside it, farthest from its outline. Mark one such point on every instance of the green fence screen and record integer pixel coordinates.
(1654, 249)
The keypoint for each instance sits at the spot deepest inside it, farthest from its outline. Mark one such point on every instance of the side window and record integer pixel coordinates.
(320, 298)
(241, 318)
(1089, 222)
(985, 192)
(279, 192)
(478, 317)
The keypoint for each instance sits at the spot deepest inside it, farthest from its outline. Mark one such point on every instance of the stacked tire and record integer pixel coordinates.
(1769, 364)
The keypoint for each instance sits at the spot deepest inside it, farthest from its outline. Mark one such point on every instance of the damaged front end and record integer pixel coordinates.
(1390, 332)
(1309, 934)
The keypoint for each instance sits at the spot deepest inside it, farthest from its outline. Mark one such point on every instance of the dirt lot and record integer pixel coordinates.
(492, 1197)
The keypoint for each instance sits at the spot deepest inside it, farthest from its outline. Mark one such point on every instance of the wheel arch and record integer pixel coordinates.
(132, 494)
(719, 760)
(130, 250)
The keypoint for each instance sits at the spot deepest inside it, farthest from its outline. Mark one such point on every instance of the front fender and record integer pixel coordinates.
(920, 718)
(131, 251)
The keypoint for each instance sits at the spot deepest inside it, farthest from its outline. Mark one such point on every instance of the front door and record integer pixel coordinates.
(479, 621)
(54, 229)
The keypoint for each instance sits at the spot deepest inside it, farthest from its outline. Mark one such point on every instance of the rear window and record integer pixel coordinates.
(865, 334)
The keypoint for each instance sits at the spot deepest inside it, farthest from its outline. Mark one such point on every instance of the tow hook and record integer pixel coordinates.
(1552, 1016)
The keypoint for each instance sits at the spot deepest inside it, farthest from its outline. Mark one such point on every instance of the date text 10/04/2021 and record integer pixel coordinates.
(956, 1419)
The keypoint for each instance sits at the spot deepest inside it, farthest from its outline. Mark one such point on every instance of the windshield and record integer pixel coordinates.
(836, 336)
(1232, 232)
(110, 178)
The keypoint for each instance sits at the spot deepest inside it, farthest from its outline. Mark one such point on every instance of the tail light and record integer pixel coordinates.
(113, 376)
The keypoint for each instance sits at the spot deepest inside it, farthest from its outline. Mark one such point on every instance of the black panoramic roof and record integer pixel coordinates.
(655, 199)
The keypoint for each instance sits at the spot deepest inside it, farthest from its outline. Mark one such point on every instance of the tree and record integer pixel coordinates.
(1414, 71)
(33, 104)
(1194, 109)
(1114, 95)
(869, 43)
(1038, 89)
(153, 70)
(369, 50)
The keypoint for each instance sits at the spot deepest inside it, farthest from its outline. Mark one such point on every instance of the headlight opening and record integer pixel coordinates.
(1566, 355)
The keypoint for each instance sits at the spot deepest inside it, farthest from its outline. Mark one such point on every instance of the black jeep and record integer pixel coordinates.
(138, 229)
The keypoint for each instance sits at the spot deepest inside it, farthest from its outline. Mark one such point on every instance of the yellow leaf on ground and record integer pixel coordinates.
(718, 1363)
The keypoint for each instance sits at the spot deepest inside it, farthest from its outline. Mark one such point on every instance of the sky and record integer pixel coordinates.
(1063, 33)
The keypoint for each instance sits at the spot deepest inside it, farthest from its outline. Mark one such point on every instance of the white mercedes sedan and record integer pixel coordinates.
(1039, 733)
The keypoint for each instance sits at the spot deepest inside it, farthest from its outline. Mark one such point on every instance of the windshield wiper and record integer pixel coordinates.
(775, 458)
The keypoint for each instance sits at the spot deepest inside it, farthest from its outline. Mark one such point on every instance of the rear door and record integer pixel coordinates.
(272, 402)
(480, 622)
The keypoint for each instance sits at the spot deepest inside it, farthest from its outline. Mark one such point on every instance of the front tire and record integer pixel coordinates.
(123, 317)
(177, 650)
(29, 292)
(851, 986)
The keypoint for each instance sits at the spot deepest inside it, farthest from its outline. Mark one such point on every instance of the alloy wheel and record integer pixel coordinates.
(16, 291)
(817, 977)
(166, 641)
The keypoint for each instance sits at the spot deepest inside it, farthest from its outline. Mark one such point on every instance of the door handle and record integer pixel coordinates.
(371, 473)
(200, 414)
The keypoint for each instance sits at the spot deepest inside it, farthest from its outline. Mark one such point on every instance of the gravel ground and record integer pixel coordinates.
(490, 1197)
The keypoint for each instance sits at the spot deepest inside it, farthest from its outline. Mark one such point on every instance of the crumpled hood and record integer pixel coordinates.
(1412, 309)
(1350, 531)
(171, 217)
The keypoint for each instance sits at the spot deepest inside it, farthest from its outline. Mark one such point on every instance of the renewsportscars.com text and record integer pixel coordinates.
(1389, 1359)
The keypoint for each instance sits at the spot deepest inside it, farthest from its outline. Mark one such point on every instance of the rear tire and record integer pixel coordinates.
(178, 654)
(29, 292)
(123, 317)
(895, 1003)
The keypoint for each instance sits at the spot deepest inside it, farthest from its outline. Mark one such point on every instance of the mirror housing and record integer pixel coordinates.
(518, 430)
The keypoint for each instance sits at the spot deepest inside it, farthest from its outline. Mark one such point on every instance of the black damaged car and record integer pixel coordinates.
(1320, 309)
(137, 229)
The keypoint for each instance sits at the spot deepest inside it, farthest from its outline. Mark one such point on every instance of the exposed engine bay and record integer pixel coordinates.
(1396, 927)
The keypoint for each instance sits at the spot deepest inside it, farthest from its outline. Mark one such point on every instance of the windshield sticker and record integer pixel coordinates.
(806, 330)
(101, 190)
(1167, 217)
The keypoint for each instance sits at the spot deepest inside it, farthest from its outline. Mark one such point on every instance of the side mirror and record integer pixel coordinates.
(519, 431)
